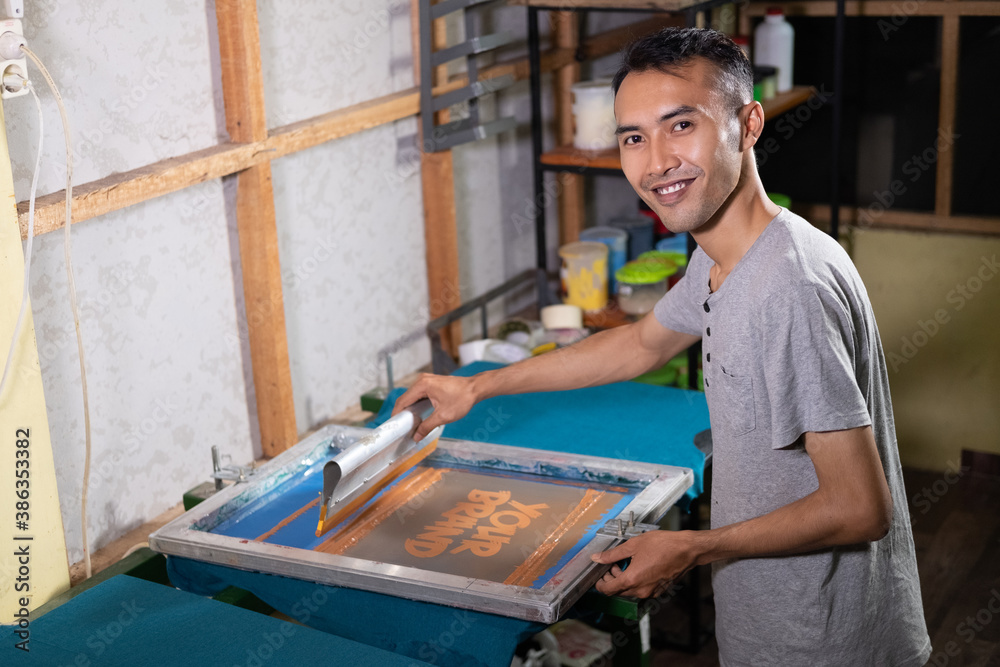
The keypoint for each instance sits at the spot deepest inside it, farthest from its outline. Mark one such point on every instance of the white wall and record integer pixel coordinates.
(163, 326)
(350, 213)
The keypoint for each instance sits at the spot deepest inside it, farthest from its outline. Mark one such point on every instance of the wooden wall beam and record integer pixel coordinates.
(919, 221)
(124, 189)
(243, 93)
(570, 193)
(946, 113)
(118, 191)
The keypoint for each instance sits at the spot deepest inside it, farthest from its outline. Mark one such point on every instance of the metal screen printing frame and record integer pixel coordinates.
(188, 536)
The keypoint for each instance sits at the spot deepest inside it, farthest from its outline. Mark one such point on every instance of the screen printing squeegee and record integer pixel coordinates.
(356, 474)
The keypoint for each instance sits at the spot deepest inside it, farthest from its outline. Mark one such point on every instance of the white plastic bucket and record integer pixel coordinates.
(594, 114)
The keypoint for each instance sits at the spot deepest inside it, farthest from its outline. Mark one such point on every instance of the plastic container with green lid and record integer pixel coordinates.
(678, 259)
(642, 283)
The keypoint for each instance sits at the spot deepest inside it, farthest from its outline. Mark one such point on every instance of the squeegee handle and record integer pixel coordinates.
(404, 423)
(420, 411)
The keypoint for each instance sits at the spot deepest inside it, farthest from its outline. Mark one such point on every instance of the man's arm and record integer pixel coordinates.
(614, 355)
(852, 505)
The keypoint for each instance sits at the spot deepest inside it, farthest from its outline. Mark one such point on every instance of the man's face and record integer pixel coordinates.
(679, 143)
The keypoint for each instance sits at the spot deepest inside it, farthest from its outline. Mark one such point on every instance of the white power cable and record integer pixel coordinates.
(27, 248)
(72, 299)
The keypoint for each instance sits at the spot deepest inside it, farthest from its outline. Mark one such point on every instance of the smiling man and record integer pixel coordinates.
(812, 554)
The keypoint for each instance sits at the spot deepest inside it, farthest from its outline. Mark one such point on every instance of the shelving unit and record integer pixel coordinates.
(687, 10)
(575, 162)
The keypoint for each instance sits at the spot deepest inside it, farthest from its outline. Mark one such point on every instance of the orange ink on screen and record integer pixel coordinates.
(392, 500)
(536, 564)
(287, 520)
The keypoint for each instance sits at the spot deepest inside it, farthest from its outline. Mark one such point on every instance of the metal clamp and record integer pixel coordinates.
(235, 474)
(626, 528)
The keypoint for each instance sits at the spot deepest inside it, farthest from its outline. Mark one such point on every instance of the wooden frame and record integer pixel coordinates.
(243, 94)
(566, 31)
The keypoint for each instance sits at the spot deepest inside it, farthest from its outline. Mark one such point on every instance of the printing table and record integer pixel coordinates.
(627, 420)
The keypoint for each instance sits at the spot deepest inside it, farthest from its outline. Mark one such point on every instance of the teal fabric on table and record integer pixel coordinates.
(131, 622)
(624, 420)
(432, 633)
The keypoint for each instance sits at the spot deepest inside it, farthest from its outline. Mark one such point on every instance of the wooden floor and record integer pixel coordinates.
(956, 529)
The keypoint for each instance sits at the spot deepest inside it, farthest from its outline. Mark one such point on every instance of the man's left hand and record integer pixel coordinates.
(657, 559)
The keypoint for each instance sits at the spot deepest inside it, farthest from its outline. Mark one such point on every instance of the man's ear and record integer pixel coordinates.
(751, 124)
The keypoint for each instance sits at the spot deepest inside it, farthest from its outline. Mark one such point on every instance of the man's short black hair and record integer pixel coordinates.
(673, 48)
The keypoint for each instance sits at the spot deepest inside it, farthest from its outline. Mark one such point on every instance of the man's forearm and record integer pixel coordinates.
(808, 524)
(608, 356)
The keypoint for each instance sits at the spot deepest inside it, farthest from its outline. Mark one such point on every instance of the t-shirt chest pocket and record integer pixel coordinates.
(737, 393)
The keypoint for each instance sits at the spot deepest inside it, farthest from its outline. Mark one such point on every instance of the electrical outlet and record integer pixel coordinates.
(12, 9)
(13, 62)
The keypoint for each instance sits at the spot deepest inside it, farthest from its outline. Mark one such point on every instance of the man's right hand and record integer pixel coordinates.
(452, 397)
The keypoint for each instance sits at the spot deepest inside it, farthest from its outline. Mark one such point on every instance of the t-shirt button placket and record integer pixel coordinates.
(708, 331)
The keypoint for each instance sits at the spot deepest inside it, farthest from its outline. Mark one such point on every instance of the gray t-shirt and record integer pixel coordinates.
(789, 346)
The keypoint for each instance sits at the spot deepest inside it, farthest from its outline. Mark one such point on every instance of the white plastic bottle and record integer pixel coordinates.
(774, 45)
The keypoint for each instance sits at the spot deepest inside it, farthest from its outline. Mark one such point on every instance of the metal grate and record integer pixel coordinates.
(447, 135)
